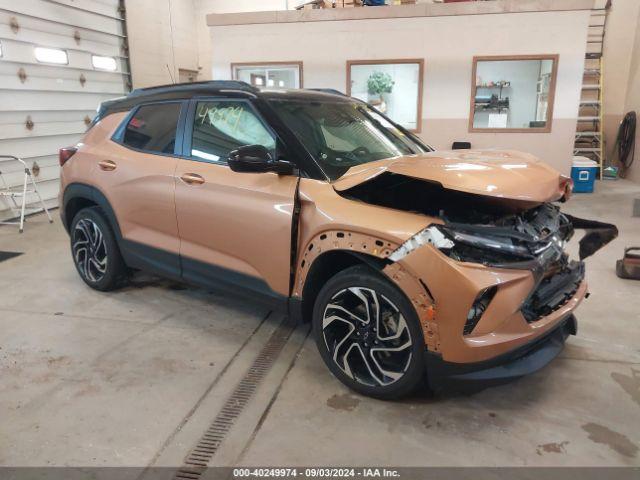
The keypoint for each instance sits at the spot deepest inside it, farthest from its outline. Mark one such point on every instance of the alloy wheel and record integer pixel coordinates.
(89, 250)
(366, 336)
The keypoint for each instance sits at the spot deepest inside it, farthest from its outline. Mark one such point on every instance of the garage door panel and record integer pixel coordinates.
(17, 130)
(48, 191)
(31, 24)
(46, 106)
(63, 14)
(61, 85)
(109, 9)
(38, 70)
(32, 100)
(48, 173)
(14, 51)
(46, 116)
(36, 146)
(13, 173)
(64, 41)
(15, 62)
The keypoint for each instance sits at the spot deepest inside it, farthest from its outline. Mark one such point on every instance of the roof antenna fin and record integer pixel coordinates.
(170, 74)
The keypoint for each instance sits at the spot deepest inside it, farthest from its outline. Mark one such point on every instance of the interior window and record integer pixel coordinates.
(153, 128)
(513, 93)
(220, 127)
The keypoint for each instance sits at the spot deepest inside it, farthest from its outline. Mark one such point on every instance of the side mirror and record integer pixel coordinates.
(257, 159)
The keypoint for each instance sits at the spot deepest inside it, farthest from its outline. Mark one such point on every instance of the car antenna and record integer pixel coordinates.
(170, 74)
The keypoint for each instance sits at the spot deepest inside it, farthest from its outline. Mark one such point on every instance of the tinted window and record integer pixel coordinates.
(153, 128)
(220, 127)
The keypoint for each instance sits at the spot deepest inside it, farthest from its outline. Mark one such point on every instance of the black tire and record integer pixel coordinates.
(105, 270)
(365, 352)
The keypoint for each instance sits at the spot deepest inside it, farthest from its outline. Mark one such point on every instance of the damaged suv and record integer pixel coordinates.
(410, 263)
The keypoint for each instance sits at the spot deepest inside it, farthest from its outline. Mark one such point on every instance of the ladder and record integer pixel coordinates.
(589, 139)
(27, 187)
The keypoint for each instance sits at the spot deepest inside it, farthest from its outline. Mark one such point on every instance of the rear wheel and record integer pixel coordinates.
(95, 251)
(368, 334)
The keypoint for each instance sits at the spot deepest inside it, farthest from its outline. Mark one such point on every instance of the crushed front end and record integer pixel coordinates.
(489, 276)
(503, 287)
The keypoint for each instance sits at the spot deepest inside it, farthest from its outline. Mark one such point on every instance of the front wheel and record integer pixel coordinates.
(368, 334)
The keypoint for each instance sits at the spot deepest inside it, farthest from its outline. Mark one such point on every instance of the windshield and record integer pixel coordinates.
(341, 135)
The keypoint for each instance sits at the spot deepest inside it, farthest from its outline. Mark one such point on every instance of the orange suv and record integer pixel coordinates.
(410, 263)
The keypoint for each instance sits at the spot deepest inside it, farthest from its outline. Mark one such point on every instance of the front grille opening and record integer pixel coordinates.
(553, 292)
(478, 308)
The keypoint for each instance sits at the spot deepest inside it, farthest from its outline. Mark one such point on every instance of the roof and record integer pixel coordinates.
(230, 88)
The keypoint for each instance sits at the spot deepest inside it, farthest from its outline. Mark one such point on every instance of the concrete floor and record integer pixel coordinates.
(134, 377)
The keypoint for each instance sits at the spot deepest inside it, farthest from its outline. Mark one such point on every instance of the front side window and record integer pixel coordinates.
(153, 128)
(222, 126)
(342, 134)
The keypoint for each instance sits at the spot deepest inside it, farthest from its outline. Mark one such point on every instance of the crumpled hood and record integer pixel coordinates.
(501, 174)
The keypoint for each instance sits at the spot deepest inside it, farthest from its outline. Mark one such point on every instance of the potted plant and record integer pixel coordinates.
(380, 83)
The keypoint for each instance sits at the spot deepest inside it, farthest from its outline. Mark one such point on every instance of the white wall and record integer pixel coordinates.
(623, 23)
(162, 40)
(447, 43)
(632, 102)
(204, 7)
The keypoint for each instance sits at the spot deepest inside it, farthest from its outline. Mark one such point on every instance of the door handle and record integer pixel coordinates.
(107, 165)
(192, 179)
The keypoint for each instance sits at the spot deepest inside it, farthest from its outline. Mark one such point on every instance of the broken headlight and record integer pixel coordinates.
(430, 235)
(468, 246)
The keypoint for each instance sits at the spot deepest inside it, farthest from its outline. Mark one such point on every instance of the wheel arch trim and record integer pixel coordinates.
(76, 191)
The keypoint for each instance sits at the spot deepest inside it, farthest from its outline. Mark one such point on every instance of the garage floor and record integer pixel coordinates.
(135, 377)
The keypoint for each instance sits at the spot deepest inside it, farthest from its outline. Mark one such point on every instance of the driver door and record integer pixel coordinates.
(235, 228)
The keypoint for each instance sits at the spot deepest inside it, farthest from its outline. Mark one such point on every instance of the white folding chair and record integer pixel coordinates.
(14, 192)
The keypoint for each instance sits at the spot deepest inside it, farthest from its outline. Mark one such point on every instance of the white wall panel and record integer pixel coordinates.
(60, 13)
(53, 97)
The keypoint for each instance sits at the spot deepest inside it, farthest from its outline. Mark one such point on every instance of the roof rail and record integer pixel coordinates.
(211, 84)
(327, 90)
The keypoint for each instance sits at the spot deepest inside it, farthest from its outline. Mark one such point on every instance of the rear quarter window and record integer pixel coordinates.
(153, 128)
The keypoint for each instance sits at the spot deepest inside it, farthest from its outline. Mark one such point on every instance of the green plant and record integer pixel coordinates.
(379, 83)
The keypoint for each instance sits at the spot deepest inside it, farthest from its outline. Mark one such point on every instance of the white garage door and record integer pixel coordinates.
(59, 59)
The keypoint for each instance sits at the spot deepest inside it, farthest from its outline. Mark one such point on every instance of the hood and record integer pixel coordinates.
(501, 174)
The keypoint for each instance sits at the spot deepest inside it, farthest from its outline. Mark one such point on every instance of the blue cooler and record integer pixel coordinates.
(583, 174)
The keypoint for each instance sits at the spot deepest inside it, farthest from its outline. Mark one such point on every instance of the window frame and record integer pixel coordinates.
(98, 69)
(42, 62)
(118, 136)
(554, 57)
(187, 137)
(395, 61)
(295, 63)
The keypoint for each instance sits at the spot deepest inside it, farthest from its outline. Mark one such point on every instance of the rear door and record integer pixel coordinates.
(235, 228)
(138, 177)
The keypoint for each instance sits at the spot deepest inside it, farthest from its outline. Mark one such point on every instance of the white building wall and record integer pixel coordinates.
(448, 44)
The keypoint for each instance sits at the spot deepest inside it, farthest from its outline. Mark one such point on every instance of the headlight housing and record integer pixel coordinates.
(486, 245)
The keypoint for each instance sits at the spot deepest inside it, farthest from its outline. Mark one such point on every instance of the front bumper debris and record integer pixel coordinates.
(553, 292)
